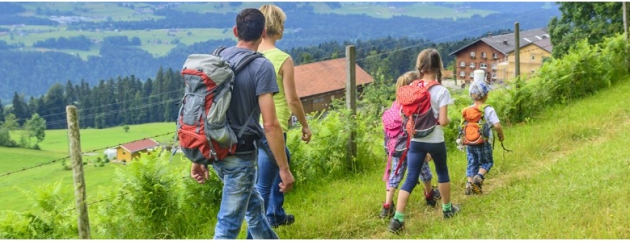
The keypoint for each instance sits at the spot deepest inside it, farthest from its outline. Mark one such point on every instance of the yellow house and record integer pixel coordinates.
(131, 150)
(531, 59)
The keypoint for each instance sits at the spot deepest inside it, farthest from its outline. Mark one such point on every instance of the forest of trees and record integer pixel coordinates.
(122, 58)
(132, 100)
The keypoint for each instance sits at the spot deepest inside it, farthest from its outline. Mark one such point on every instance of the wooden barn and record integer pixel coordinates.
(131, 150)
(318, 83)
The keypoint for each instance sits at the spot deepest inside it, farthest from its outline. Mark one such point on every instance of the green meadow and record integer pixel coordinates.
(566, 178)
(419, 10)
(55, 146)
(159, 42)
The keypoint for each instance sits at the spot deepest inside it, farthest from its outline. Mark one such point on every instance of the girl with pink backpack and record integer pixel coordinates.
(396, 145)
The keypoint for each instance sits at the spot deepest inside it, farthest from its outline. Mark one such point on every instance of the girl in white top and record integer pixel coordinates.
(429, 65)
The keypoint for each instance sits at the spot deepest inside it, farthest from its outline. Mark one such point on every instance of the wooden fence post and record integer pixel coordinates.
(351, 102)
(77, 171)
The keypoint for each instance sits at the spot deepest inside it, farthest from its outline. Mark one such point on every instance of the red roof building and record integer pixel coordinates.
(131, 150)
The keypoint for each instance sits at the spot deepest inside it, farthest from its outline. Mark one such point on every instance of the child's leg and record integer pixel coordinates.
(487, 161)
(426, 176)
(390, 195)
(473, 164)
(395, 178)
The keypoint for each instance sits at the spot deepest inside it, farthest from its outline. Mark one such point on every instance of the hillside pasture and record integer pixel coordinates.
(56, 146)
(157, 41)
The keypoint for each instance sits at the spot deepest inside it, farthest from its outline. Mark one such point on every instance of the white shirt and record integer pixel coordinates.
(440, 97)
(491, 118)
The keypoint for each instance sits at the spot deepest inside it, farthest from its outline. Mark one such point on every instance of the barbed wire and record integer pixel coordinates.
(82, 153)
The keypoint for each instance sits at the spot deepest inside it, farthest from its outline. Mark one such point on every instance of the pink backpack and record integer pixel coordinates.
(396, 141)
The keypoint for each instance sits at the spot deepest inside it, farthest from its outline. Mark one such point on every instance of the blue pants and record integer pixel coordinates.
(415, 161)
(479, 156)
(268, 180)
(240, 200)
(267, 184)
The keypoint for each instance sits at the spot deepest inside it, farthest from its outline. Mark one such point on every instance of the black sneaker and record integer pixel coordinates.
(387, 211)
(450, 213)
(435, 196)
(396, 226)
(468, 188)
(290, 219)
(476, 184)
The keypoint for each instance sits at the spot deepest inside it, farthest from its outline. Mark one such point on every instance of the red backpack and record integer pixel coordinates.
(202, 127)
(418, 116)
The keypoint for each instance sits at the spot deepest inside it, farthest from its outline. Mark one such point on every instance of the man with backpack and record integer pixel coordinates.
(476, 134)
(252, 95)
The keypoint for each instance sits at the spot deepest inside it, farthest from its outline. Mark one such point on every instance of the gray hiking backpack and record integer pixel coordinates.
(203, 129)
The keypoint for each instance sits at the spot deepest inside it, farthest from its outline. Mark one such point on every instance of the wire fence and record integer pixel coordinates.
(83, 152)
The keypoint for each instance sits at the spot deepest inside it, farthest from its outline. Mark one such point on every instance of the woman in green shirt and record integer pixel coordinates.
(286, 102)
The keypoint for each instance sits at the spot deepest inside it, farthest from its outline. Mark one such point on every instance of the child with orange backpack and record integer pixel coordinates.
(396, 148)
(476, 134)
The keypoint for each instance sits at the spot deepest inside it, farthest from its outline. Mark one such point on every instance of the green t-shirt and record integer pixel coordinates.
(277, 58)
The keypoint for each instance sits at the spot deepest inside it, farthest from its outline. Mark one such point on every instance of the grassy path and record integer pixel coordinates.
(567, 178)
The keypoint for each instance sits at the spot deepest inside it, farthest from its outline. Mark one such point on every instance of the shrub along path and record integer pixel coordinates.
(567, 178)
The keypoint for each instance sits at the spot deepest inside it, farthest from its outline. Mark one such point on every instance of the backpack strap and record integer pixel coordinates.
(245, 61)
(218, 50)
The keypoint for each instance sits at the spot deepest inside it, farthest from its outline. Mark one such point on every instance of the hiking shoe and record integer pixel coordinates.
(387, 211)
(476, 184)
(450, 213)
(290, 219)
(468, 190)
(435, 196)
(396, 226)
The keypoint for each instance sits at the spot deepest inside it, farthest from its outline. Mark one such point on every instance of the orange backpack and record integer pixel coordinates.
(474, 130)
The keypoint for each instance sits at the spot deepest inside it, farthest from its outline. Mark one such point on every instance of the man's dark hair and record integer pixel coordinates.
(250, 24)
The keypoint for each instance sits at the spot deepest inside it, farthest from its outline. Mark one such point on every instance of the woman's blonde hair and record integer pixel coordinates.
(429, 61)
(407, 78)
(274, 19)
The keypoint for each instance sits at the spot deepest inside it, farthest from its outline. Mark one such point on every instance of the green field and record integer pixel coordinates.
(97, 12)
(56, 146)
(157, 41)
(566, 178)
(419, 10)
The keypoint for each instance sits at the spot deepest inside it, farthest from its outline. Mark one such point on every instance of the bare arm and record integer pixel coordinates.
(443, 116)
(288, 82)
(499, 129)
(273, 133)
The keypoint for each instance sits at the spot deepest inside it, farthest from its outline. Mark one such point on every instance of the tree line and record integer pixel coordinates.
(122, 57)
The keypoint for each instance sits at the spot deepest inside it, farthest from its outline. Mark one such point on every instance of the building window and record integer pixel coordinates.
(494, 75)
(483, 66)
(317, 100)
(483, 55)
(533, 57)
(462, 74)
(472, 74)
(494, 66)
(462, 64)
(472, 54)
(495, 56)
(472, 65)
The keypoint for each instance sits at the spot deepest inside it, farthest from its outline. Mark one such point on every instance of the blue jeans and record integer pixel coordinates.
(268, 180)
(240, 200)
